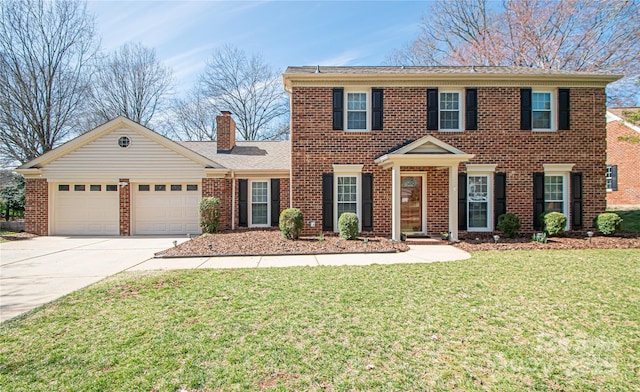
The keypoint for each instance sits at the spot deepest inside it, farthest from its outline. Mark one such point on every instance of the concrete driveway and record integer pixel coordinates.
(39, 270)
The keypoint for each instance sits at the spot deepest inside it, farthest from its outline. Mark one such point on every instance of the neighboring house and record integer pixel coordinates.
(414, 150)
(424, 150)
(124, 179)
(623, 160)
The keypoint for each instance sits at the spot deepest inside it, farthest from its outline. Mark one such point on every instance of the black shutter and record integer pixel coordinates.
(525, 109)
(500, 205)
(614, 177)
(564, 104)
(242, 203)
(338, 109)
(462, 201)
(576, 201)
(538, 199)
(377, 95)
(367, 201)
(432, 109)
(327, 201)
(471, 109)
(275, 201)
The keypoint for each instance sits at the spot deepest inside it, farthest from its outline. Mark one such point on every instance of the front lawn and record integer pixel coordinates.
(522, 320)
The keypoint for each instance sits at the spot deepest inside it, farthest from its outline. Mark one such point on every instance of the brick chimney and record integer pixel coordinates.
(226, 129)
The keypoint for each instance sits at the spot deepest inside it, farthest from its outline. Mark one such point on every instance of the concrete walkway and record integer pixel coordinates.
(39, 270)
(417, 254)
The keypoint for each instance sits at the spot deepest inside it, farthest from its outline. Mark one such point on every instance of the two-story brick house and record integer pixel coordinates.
(424, 150)
(415, 150)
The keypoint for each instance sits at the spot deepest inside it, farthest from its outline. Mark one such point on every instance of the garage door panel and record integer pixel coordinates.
(85, 212)
(166, 212)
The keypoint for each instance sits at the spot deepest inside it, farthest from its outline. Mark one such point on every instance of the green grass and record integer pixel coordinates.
(630, 220)
(539, 320)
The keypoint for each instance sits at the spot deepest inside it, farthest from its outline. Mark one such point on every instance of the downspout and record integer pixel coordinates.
(233, 201)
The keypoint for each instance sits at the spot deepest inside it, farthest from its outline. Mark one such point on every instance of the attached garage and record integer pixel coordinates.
(85, 209)
(166, 208)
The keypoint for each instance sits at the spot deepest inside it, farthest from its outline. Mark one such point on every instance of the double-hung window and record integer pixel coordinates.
(541, 115)
(347, 190)
(478, 202)
(554, 193)
(450, 113)
(259, 205)
(357, 111)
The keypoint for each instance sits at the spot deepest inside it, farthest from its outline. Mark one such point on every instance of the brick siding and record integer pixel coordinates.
(125, 207)
(36, 213)
(220, 188)
(498, 140)
(626, 155)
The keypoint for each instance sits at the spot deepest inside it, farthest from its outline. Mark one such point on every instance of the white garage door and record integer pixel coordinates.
(166, 208)
(86, 209)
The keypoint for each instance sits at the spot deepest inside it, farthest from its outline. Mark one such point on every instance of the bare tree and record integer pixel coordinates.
(194, 117)
(597, 35)
(45, 51)
(131, 82)
(248, 88)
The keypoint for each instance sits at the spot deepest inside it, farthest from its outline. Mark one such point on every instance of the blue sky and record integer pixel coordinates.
(185, 34)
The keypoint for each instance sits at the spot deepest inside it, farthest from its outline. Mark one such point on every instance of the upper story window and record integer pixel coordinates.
(450, 113)
(541, 110)
(356, 111)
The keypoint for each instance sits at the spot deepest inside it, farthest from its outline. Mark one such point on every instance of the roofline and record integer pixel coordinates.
(467, 78)
(107, 127)
(612, 117)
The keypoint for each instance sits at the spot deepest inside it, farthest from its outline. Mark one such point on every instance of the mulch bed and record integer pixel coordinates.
(271, 242)
(17, 236)
(574, 241)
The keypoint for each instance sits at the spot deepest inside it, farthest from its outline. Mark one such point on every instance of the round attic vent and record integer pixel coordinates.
(124, 141)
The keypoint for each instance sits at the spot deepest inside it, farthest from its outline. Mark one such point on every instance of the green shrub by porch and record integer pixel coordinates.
(510, 224)
(290, 223)
(210, 214)
(554, 223)
(348, 226)
(607, 223)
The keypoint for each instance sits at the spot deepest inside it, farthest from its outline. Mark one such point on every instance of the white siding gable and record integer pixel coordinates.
(104, 160)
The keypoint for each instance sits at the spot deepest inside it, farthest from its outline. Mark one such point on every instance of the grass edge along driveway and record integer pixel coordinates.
(539, 320)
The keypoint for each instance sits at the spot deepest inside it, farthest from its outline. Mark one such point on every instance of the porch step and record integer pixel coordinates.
(425, 241)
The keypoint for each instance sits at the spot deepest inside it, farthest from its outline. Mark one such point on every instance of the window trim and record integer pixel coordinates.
(563, 170)
(461, 109)
(553, 111)
(368, 111)
(608, 175)
(478, 170)
(347, 171)
(250, 203)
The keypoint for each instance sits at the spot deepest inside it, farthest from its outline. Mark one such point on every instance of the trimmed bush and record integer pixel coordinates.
(210, 214)
(348, 225)
(554, 223)
(510, 224)
(290, 223)
(607, 223)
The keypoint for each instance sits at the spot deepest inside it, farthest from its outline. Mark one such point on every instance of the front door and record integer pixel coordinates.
(411, 214)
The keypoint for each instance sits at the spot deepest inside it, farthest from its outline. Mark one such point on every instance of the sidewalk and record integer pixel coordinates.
(417, 254)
